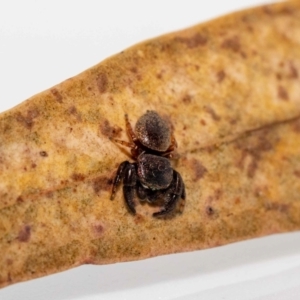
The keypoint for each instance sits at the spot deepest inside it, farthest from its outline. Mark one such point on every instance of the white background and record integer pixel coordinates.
(45, 42)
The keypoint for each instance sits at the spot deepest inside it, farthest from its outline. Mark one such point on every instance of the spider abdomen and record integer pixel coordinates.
(153, 132)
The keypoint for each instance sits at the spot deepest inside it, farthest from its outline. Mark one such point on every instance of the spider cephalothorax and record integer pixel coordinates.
(151, 177)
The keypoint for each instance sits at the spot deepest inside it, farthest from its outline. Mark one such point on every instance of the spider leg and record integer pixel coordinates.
(169, 152)
(183, 194)
(119, 176)
(173, 194)
(133, 147)
(141, 192)
(123, 143)
(173, 145)
(134, 144)
(130, 130)
(129, 186)
(182, 202)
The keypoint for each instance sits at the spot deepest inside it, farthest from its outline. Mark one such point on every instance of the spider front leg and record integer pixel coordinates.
(127, 173)
(129, 186)
(133, 145)
(175, 191)
(119, 176)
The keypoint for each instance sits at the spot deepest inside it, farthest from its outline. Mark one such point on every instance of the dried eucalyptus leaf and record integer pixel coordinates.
(231, 90)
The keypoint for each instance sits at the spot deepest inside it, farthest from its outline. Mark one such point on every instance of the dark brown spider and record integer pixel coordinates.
(151, 177)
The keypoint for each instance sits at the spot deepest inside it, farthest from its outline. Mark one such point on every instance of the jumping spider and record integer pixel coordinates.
(151, 176)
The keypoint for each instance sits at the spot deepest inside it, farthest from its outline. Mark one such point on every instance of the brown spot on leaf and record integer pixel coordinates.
(24, 234)
(187, 99)
(101, 183)
(296, 126)
(102, 82)
(278, 76)
(237, 201)
(287, 71)
(159, 75)
(43, 153)
(297, 173)
(32, 113)
(233, 121)
(138, 219)
(221, 76)
(198, 169)
(78, 177)
(283, 10)
(194, 41)
(98, 229)
(88, 261)
(293, 71)
(250, 28)
(218, 194)
(282, 93)
(209, 210)
(254, 52)
(108, 130)
(9, 261)
(232, 43)
(267, 10)
(212, 113)
(57, 95)
(286, 10)
(203, 122)
(49, 194)
(254, 149)
(72, 110)
(20, 199)
(281, 207)
(28, 119)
